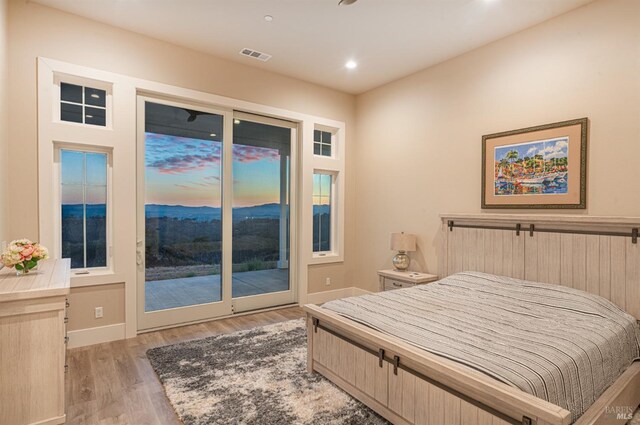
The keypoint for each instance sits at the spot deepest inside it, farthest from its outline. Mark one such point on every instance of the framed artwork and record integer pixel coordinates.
(536, 167)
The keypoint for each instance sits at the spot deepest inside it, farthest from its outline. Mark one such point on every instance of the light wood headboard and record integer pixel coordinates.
(594, 254)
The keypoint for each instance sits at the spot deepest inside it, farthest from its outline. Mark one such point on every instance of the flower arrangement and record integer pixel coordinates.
(23, 255)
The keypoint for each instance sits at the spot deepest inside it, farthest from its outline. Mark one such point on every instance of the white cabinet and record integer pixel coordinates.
(33, 344)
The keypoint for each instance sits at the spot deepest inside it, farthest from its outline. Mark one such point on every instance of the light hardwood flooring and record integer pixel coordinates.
(114, 383)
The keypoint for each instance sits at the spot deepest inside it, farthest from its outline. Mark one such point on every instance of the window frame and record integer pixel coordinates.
(332, 143)
(333, 165)
(57, 184)
(60, 78)
(332, 221)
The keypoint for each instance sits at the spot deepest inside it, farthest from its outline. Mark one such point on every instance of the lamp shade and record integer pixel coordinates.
(403, 242)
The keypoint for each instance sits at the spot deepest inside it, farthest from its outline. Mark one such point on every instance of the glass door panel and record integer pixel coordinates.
(182, 150)
(261, 212)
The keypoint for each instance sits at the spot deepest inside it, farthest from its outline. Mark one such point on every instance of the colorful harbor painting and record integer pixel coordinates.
(532, 168)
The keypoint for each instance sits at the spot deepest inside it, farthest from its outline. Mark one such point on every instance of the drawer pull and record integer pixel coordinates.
(66, 368)
(66, 320)
(380, 357)
(396, 364)
(66, 303)
(66, 339)
(397, 284)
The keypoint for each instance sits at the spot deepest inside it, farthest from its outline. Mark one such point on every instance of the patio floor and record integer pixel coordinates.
(172, 293)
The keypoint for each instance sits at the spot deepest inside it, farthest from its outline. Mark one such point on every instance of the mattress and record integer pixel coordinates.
(560, 344)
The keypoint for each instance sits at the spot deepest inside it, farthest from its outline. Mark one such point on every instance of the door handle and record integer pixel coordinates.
(139, 258)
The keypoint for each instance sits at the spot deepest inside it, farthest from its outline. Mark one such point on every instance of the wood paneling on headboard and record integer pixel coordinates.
(602, 264)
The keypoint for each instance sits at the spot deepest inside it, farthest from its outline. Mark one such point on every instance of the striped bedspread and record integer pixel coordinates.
(560, 344)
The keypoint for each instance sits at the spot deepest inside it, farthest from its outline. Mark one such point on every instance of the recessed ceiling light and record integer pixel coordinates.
(351, 65)
(236, 121)
(268, 18)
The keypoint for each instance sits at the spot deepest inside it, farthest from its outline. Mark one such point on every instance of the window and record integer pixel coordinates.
(83, 105)
(322, 142)
(322, 183)
(83, 178)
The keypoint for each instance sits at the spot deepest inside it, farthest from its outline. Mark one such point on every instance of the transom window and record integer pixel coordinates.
(322, 141)
(83, 105)
(322, 183)
(83, 178)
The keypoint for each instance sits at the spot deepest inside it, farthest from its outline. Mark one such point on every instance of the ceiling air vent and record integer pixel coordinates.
(255, 54)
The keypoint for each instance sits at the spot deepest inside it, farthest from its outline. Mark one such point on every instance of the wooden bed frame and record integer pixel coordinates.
(408, 385)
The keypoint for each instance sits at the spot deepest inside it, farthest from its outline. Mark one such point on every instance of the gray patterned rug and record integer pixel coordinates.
(257, 376)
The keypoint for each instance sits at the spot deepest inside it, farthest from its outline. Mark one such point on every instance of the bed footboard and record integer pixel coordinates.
(409, 386)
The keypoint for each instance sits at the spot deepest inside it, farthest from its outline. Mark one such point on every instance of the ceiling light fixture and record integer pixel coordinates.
(351, 64)
(268, 18)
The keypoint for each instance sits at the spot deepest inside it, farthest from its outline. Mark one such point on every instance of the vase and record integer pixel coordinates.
(25, 271)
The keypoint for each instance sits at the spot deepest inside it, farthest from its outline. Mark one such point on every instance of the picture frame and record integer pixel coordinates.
(541, 167)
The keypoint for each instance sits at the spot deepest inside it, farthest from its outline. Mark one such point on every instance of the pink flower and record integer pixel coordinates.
(27, 251)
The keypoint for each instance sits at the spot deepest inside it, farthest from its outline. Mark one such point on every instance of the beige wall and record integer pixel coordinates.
(84, 300)
(36, 31)
(4, 119)
(420, 137)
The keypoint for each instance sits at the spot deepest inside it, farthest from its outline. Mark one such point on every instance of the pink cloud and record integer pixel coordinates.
(178, 164)
(245, 154)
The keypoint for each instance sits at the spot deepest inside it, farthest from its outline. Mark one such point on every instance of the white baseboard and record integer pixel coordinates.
(336, 294)
(90, 336)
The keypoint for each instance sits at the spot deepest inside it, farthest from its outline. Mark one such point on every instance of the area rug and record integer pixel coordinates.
(257, 376)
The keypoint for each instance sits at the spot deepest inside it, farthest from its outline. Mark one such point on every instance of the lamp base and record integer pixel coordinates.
(401, 261)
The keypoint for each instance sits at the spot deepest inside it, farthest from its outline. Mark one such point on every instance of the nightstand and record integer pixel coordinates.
(393, 279)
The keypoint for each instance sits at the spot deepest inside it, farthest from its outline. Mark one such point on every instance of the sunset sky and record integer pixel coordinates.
(179, 171)
(183, 171)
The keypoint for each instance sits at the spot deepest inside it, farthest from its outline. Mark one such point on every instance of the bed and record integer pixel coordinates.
(381, 362)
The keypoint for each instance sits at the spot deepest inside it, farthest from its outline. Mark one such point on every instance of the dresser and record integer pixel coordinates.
(394, 279)
(33, 344)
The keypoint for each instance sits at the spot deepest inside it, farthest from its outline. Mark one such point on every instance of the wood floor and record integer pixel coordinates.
(114, 383)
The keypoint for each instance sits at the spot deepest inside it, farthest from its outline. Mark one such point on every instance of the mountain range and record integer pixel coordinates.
(191, 213)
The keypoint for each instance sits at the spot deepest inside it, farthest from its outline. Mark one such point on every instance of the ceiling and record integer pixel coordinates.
(313, 39)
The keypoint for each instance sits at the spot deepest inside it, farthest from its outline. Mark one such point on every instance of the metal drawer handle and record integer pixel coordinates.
(66, 339)
(396, 284)
(66, 303)
(66, 368)
(66, 320)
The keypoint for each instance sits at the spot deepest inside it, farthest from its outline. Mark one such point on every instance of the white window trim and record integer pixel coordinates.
(334, 165)
(57, 195)
(120, 136)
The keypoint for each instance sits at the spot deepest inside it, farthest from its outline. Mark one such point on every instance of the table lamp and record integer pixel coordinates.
(403, 243)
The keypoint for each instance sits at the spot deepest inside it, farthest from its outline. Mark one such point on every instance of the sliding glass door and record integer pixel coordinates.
(180, 231)
(214, 216)
(262, 213)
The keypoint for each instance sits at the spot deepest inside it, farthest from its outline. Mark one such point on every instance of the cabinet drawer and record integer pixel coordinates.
(390, 284)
